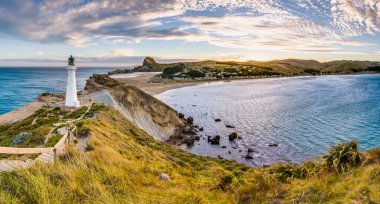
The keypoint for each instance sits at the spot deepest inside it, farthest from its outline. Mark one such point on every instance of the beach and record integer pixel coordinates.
(141, 81)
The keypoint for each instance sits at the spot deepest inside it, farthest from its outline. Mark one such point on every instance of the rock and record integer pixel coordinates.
(230, 126)
(218, 120)
(164, 177)
(273, 145)
(181, 115)
(248, 156)
(229, 152)
(215, 140)
(224, 146)
(197, 138)
(189, 141)
(240, 137)
(220, 157)
(266, 166)
(201, 129)
(193, 131)
(251, 150)
(187, 129)
(190, 120)
(232, 136)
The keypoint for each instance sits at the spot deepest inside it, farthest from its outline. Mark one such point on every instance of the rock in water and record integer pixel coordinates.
(248, 156)
(164, 177)
(230, 126)
(190, 141)
(273, 145)
(250, 150)
(232, 136)
(215, 140)
(190, 120)
(218, 120)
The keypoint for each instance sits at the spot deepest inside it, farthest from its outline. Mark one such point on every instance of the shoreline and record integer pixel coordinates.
(141, 81)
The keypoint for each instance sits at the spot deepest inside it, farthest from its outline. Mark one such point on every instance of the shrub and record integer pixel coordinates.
(343, 156)
(284, 172)
(170, 71)
(195, 74)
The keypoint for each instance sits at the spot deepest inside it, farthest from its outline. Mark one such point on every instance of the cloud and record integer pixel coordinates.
(304, 26)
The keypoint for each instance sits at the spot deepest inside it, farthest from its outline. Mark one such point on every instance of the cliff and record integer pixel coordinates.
(148, 113)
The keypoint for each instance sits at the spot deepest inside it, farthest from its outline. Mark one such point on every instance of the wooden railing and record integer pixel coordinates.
(18, 151)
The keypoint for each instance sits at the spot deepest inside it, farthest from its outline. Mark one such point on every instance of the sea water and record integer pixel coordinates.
(305, 116)
(19, 86)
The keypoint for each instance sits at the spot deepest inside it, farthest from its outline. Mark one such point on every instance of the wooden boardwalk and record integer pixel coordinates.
(47, 155)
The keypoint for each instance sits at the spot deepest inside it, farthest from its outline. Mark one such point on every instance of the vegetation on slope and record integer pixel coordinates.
(287, 67)
(122, 164)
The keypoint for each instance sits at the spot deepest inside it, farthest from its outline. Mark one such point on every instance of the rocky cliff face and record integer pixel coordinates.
(150, 114)
(149, 65)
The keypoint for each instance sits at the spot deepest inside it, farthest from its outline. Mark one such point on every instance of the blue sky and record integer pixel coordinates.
(122, 33)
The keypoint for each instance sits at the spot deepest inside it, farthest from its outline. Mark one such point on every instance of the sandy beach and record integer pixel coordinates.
(141, 81)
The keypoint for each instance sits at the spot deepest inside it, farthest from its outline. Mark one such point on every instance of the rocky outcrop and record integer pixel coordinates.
(99, 82)
(149, 65)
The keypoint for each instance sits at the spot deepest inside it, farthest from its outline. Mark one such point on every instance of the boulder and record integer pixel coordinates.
(189, 141)
(251, 150)
(187, 129)
(190, 120)
(248, 156)
(215, 140)
(218, 120)
(273, 145)
(181, 115)
(230, 126)
(197, 138)
(164, 177)
(201, 129)
(232, 136)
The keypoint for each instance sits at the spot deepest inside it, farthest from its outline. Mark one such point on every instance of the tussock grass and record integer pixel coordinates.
(124, 164)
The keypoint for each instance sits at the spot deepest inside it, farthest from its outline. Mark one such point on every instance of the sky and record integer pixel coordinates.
(122, 32)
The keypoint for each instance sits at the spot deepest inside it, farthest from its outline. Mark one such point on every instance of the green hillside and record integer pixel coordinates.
(275, 67)
(122, 164)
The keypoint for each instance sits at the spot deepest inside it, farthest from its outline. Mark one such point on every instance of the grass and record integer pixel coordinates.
(123, 165)
(53, 140)
(76, 114)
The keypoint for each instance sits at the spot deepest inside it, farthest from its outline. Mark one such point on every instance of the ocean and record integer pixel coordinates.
(19, 86)
(305, 116)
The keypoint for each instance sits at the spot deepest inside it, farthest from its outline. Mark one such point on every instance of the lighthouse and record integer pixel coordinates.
(71, 90)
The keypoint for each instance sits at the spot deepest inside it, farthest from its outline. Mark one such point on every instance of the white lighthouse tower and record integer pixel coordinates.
(71, 90)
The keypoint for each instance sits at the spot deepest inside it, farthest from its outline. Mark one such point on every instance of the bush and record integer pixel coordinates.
(195, 74)
(284, 172)
(343, 156)
(170, 71)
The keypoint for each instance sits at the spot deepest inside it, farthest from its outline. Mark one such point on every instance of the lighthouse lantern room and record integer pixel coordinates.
(71, 90)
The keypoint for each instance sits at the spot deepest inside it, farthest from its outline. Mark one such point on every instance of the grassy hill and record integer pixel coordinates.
(122, 164)
(274, 67)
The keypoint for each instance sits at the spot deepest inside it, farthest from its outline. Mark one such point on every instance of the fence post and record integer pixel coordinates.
(55, 155)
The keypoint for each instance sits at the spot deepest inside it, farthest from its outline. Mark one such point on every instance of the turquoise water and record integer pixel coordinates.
(304, 115)
(19, 86)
